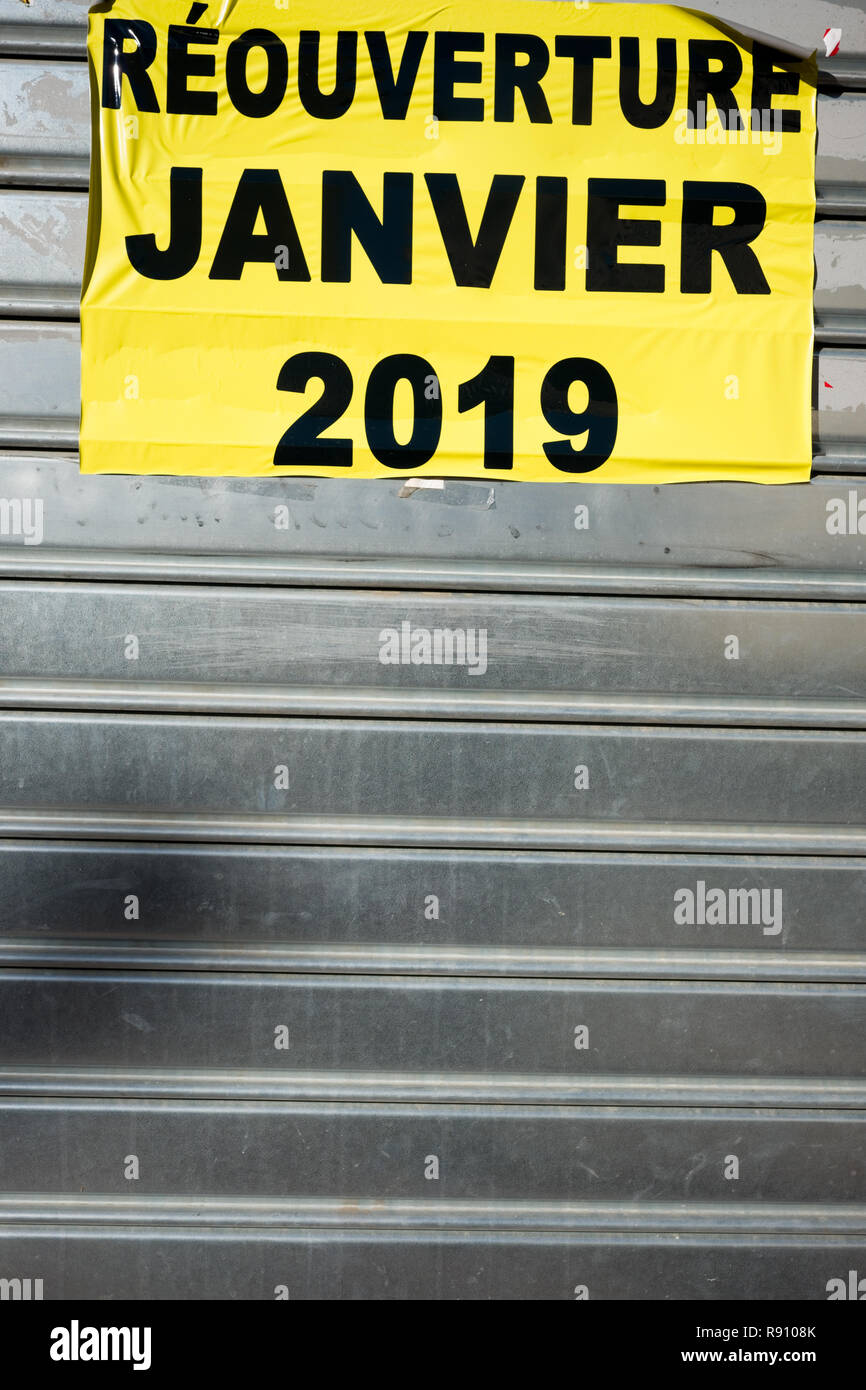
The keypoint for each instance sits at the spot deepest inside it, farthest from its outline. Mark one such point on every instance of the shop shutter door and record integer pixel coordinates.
(324, 977)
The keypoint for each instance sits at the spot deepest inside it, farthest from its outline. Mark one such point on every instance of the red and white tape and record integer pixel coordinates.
(832, 42)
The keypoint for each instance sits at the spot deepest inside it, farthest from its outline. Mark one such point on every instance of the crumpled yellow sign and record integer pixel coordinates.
(532, 241)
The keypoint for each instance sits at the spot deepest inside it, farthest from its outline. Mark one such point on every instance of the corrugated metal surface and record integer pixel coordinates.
(328, 977)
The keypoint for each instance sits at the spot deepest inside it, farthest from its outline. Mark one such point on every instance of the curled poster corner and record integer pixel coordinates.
(832, 41)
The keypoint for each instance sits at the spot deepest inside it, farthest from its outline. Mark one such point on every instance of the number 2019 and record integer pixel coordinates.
(303, 444)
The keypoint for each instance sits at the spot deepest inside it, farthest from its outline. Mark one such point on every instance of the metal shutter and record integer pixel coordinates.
(469, 958)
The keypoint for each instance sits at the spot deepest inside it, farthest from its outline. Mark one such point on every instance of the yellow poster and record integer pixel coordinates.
(545, 241)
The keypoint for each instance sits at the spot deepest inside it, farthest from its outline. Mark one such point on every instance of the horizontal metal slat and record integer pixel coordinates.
(381, 782)
(42, 238)
(282, 906)
(130, 954)
(721, 538)
(39, 383)
(40, 389)
(304, 651)
(38, 301)
(840, 157)
(72, 172)
(308, 1214)
(379, 1151)
(472, 833)
(796, 22)
(51, 40)
(430, 912)
(832, 200)
(840, 296)
(429, 1087)
(136, 1262)
(846, 73)
(321, 1026)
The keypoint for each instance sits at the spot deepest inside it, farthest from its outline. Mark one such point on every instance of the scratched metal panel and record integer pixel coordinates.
(565, 1153)
(721, 538)
(841, 151)
(434, 1087)
(41, 252)
(39, 377)
(136, 1262)
(840, 262)
(318, 1024)
(42, 237)
(45, 12)
(429, 1214)
(44, 109)
(281, 651)
(841, 414)
(40, 388)
(411, 782)
(321, 909)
